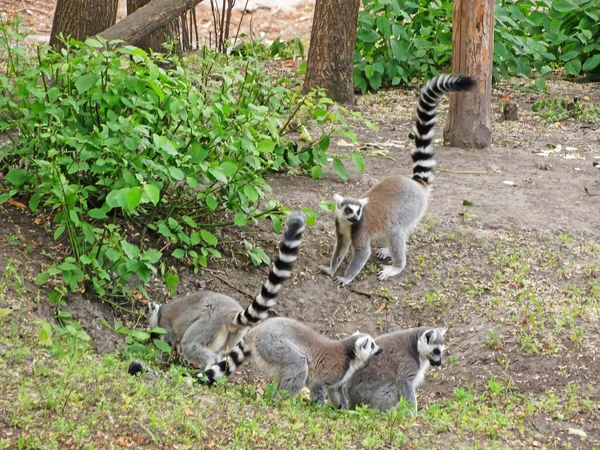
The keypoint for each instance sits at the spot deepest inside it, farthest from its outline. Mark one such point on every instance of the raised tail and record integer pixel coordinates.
(431, 94)
(225, 368)
(281, 271)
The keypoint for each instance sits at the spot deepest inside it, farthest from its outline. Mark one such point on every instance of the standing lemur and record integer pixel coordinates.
(298, 356)
(392, 208)
(382, 381)
(204, 323)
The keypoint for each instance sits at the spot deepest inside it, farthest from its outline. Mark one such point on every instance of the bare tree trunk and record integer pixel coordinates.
(81, 19)
(133, 28)
(157, 38)
(469, 123)
(331, 53)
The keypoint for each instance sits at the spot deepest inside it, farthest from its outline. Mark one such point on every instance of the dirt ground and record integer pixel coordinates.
(260, 22)
(502, 273)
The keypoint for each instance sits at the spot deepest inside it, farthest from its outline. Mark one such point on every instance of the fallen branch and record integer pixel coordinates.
(133, 28)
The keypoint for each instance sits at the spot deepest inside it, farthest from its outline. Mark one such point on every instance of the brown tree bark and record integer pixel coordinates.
(157, 38)
(81, 19)
(469, 122)
(133, 28)
(330, 62)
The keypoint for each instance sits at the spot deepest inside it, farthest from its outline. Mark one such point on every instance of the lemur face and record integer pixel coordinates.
(349, 209)
(431, 345)
(365, 347)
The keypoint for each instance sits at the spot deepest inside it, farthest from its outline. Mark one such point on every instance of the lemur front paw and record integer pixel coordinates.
(324, 269)
(341, 281)
(384, 253)
(388, 271)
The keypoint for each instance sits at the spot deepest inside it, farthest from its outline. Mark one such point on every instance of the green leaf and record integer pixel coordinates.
(152, 193)
(563, 5)
(34, 202)
(540, 83)
(176, 173)
(228, 168)
(97, 214)
(178, 253)
(316, 172)
(569, 55)
(573, 67)
(591, 63)
(368, 36)
(240, 219)
(140, 336)
(5, 312)
(211, 202)
(16, 177)
(130, 250)
(85, 82)
(338, 167)
(359, 162)
(151, 256)
(467, 203)
(42, 278)
(219, 176)
(265, 146)
(162, 346)
(208, 237)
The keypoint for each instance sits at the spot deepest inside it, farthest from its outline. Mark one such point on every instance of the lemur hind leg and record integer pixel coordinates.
(398, 253)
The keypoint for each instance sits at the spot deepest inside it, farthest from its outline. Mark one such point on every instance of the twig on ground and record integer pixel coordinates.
(241, 291)
(460, 172)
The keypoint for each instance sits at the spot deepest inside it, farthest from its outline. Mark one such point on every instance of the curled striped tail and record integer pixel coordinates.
(225, 368)
(431, 94)
(281, 271)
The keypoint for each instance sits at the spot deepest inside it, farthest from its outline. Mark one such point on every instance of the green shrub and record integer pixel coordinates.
(399, 41)
(121, 145)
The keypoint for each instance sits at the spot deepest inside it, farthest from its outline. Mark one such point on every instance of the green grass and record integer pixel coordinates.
(63, 395)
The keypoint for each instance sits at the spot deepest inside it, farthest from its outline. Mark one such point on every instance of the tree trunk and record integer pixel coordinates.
(469, 122)
(157, 38)
(81, 19)
(331, 53)
(133, 28)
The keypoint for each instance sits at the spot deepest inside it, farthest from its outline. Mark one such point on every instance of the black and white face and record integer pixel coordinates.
(365, 347)
(431, 345)
(349, 209)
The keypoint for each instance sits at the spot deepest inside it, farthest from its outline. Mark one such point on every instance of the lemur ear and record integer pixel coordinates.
(428, 335)
(442, 331)
(338, 199)
(363, 201)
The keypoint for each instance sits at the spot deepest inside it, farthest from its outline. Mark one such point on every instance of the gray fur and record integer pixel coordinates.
(202, 324)
(298, 356)
(393, 208)
(398, 372)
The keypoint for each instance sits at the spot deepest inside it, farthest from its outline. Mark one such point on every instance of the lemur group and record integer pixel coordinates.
(357, 370)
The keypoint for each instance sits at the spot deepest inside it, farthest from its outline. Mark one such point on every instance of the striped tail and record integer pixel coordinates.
(225, 368)
(281, 271)
(422, 154)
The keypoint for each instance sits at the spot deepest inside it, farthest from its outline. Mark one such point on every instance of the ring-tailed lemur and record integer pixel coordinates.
(382, 381)
(204, 323)
(297, 356)
(392, 208)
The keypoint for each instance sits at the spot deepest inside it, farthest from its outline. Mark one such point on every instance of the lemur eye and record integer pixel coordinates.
(372, 346)
(348, 210)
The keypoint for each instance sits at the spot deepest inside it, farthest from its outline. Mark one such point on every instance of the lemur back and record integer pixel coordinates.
(298, 356)
(407, 354)
(204, 323)
(392, 209)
